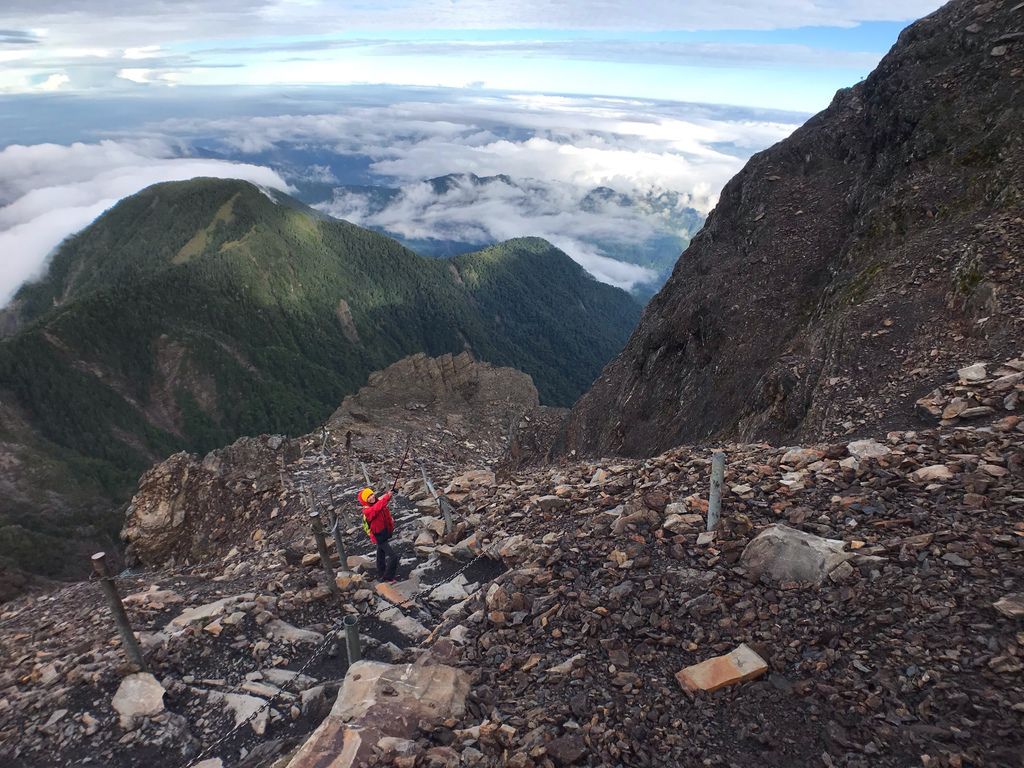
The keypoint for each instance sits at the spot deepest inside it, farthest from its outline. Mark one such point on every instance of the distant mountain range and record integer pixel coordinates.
(460, 213)
(195, 312)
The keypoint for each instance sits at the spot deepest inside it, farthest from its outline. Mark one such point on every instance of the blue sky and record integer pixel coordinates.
(101, 98)
(785, 54)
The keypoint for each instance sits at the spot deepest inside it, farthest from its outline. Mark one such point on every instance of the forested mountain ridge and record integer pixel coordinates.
(195, 312)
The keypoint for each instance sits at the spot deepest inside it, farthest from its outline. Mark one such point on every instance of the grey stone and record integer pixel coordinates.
(785, 554)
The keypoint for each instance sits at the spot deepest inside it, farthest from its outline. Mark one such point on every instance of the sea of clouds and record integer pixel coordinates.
(565, 145)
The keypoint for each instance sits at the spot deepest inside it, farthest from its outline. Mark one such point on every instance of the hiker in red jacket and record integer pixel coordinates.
(379, 525)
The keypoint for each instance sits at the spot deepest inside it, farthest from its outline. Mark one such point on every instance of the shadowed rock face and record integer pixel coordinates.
(852, 265)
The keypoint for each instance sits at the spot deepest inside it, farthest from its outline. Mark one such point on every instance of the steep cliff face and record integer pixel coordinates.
(850, 268)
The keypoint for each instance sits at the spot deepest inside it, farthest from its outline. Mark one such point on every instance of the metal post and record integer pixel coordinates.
(426, 481)
(715, 499)
(131, 645)
(366, 475)
(348, 441)
(351, 623)
(442, 503)
(321, 545)
(446, 513)
(339, 544)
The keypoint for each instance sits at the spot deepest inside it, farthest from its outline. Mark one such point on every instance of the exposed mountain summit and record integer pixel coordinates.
(848, 269)
(196, 312)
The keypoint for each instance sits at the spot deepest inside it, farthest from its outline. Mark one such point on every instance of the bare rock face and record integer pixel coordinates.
(186, 505)
(447, 385)
(850, 268)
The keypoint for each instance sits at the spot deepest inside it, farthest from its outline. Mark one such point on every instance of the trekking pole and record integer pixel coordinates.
(401, 466)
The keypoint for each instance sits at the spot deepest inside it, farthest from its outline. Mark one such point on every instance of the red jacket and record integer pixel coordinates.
(378, 516)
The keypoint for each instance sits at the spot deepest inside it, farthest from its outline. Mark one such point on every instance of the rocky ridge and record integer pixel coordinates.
(846, 269)
(598, 588)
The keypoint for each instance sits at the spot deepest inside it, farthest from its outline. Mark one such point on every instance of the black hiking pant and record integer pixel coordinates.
(387, 560)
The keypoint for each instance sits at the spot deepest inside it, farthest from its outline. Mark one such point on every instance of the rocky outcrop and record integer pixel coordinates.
(188, 507)
(453, 387)
(849, 269)
(450, 410)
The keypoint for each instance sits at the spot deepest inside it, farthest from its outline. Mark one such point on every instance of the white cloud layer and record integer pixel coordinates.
(472, 212)
(50, 191)
(144, 24)
(633, 146)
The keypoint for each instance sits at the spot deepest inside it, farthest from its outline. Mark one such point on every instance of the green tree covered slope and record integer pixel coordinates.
(195, 312)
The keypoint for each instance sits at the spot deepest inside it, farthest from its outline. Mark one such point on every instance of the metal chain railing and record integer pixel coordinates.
(328, 639)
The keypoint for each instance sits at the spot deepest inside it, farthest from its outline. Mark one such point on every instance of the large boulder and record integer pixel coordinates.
(378, 701)
(784, 554)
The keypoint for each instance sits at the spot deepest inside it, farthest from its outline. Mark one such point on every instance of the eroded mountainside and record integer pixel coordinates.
(848, 269)
(196, 312)
(550, 625)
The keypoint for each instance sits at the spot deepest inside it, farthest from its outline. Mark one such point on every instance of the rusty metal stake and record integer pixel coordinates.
(715, 498)
(131, 645)
(321, 545)
(355, 653)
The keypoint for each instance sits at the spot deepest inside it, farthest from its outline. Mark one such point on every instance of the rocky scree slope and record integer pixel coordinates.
(195, 312)
(849, 267)
(602, 586)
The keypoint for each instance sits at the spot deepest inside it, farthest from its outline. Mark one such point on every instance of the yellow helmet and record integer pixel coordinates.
(365, 494)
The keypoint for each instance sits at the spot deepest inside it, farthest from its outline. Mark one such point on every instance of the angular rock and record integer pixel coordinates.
(867, 449)
(801, 457)
(549, 503)
(139, 695)
(244, 707)
(208, 611)
(931, 474)
(286, 633)
(1011, 605)
(378, 701)
(735, 667)
(973, 373)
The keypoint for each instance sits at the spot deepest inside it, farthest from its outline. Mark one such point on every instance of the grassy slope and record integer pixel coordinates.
(246, 291)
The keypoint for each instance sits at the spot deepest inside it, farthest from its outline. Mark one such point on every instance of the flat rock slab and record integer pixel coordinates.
(734, 667)
(286, 633)
(396, 594)
(243, 707)
(1011, 605)
(139, 695)
(786, 554)
(208, 611)
(378, 701)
